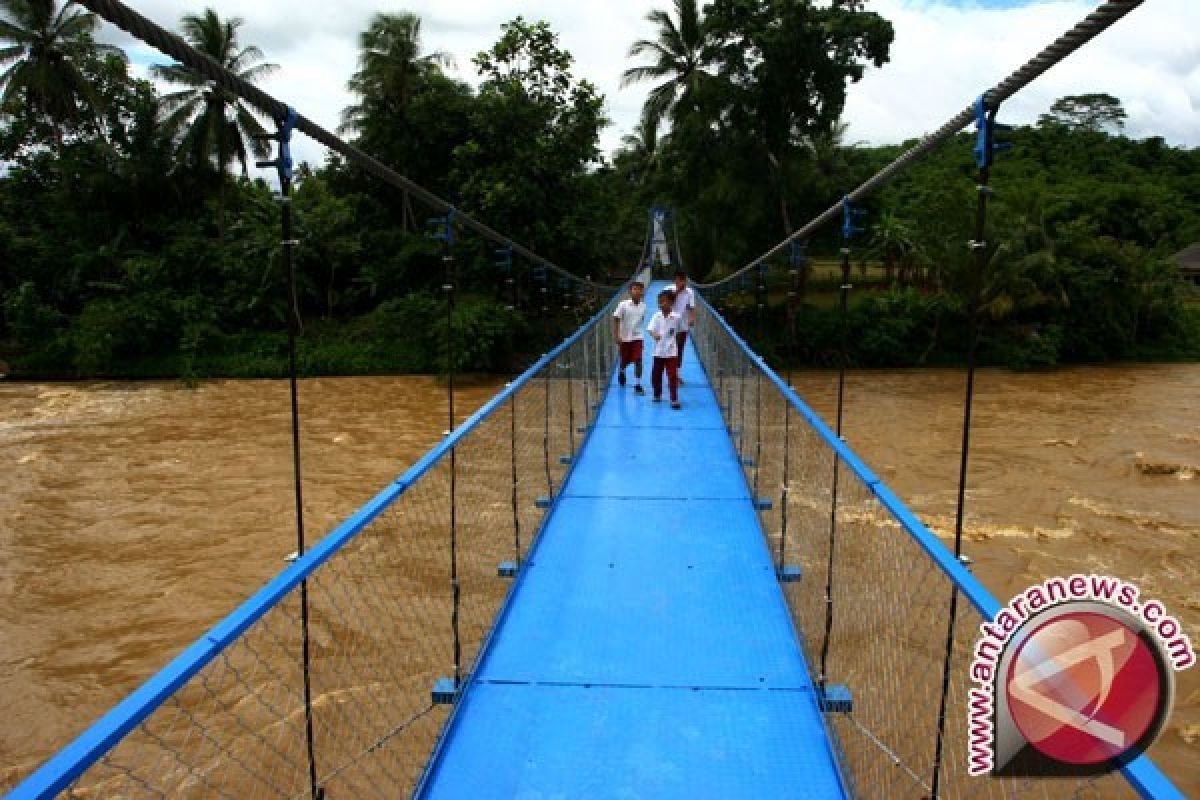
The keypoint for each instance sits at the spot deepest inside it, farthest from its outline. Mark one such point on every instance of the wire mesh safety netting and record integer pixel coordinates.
(890, 600)
(382, 614)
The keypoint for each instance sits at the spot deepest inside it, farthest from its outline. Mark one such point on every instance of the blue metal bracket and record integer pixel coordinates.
(504, 259)
(852, 219)
(986, 143)
(789, 573)
(836, 699)
(283, 163)
(507, 569)
(444, 692)
(748, 461)
(763, 504)
(545, 501)
(565, 460)
(798, 254)
(442, 228)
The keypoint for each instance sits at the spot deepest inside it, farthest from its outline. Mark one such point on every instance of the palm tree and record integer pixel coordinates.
(638, 154)
(893, 238)
(390, 66)
(677, 60)
(41, 52)
(210, 126)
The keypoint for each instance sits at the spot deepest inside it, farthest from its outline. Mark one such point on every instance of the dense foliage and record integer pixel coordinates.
(133, 242)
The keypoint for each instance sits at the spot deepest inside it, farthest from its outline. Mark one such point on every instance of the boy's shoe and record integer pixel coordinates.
(676, 406)
(657, 399)
(637, 389)
(621, 379)
(679, 381)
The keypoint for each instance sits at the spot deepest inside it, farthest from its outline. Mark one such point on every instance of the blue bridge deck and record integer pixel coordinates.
(647, 650)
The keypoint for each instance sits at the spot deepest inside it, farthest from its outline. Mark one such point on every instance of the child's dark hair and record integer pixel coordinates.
(680, 274)
(668, 294)
(636, 283)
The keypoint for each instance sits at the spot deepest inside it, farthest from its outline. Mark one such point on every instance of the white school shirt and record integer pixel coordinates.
(685, 301)
(631, 317)
(666, 327)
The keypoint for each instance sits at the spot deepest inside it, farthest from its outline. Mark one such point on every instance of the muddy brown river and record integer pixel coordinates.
(134, 516)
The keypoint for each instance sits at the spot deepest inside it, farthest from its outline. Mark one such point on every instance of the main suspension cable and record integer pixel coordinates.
(174, 46)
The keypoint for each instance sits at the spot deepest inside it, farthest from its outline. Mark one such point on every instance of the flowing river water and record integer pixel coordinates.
(136, 515)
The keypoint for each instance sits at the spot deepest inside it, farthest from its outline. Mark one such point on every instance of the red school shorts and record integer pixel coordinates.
(631, 352)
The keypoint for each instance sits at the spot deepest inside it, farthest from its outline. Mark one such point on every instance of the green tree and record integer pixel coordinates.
(42, 49)
(391, 71)
(211, 126)
(1086, 112)
(390, 67)
(638, 155)
(677, 60)
(787, 64)
(534, 136)
(893, 238)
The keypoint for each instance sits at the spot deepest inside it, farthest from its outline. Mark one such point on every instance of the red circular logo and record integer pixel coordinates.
(1084, 688)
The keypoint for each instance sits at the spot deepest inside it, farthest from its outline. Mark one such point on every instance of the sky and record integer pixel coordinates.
(946, 52)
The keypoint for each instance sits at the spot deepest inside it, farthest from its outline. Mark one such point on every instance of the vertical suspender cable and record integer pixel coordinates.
(450, 288)
(850, 226)
(546, 429)
(790, 355)
(283, 166)
(570, 399)
(984, 153)
(516, 511)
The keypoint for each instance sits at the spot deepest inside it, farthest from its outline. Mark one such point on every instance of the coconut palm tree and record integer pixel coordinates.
(896, 243)
(210, 125)
(676, 60)
(390, 66)
(42, 48)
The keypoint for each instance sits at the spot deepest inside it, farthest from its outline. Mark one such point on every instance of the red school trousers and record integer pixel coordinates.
(680, 341)
(656, 374)
(631, 353)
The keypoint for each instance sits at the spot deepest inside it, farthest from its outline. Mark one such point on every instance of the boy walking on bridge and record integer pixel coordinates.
(627, 330)
(664, 326)
(685, 307)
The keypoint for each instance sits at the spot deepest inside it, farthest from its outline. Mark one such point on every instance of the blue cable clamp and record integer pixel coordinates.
(986, 143)
(798, 255)
(506, 569)
(789, 573)
(504, 259)
(444, 692)
(852, 219)
(837, 699)
(545, 501)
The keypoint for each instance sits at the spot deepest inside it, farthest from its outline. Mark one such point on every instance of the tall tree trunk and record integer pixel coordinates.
(775, 169)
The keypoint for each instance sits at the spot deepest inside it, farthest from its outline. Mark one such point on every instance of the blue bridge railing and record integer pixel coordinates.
(403, 595)
(890, 582)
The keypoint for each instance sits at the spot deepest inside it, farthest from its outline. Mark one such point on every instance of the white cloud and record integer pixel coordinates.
(944, 55)
(316, 44)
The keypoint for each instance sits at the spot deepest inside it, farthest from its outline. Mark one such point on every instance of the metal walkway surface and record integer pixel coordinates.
(647, 650)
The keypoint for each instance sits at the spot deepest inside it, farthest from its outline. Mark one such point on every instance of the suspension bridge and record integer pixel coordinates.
(580, 593)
